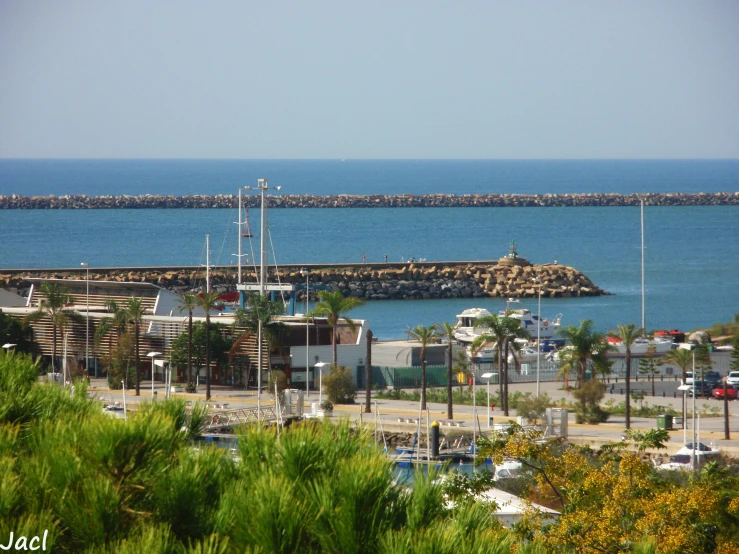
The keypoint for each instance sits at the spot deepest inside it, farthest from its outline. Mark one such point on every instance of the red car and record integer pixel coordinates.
(718, 392)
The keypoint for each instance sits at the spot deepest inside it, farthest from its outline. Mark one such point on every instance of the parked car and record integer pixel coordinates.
(733, 378)
(713, 378)
(689, 378)
(700, 388)
(718, 392)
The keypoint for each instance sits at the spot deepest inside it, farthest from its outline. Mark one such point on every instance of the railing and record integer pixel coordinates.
(229, 418)
(549, 371)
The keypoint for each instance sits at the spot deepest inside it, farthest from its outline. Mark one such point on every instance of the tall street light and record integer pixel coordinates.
(488, 377)
(87, 319)
(695, 438)
(125, 411)
(305, 273)
(319, 367)
(153, 355)
(538, 283)
(726, 408)
(262, 187)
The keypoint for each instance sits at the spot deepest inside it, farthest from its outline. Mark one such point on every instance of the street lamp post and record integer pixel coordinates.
(538, 341)
(726, 408)
(488, 376)
(474, 414)
(305, 273)
(153, 355)
(684, 388)
(692, 452)
(262, 186)
(125, 412)
(319, 367)
(87, 318)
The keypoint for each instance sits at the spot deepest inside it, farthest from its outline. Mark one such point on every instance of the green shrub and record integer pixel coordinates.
(338, 386)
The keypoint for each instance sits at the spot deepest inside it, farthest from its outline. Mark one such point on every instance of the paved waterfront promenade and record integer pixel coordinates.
(711, 428)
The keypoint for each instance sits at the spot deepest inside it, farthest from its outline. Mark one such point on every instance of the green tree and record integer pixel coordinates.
(135, 316)
(426, 336)
(207, 301)
(334, 306)
(277, 379)
(188, 302)
(627, 333)
(734, 364)
(586, 351)
(54, 302)
(191, 346)
(121, 362)
(446, 330)
(339, 386)
(462, 365)
(648, 365)
(14, 331)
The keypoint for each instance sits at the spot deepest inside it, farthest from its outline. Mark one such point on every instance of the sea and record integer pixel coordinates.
(691, 253)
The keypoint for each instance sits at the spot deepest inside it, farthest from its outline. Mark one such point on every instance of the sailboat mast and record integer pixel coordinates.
(207, 263)
(643, 312)
(239, 234)
(263, 255)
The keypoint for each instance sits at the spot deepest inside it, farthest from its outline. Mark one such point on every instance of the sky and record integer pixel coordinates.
(382, 79)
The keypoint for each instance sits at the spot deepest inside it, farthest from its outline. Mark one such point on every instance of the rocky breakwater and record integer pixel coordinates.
(472, 280)
(150, 201)
(418, 281)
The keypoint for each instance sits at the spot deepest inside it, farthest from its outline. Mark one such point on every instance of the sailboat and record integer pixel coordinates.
(642, 345)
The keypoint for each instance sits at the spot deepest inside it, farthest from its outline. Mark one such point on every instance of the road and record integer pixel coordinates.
(710, 429)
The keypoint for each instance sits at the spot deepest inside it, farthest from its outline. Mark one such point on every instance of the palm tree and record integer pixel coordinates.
(587, 349)
(501, 332)
(627, 333)
(682, 359)
(135, 315)
(426, 336)
(53, 304)
(333, 305)
(446, 330)
(118, 321)
(207, 301)
(188, 302)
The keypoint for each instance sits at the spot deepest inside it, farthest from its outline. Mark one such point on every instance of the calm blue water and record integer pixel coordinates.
(692, 253)
(322, 177)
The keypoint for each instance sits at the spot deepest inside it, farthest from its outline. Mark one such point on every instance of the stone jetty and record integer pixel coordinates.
(148, 201)
(428, 280)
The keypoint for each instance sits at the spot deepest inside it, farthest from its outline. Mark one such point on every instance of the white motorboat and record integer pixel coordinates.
(466, 332)
(524, 353)
(641, 345)
(683, 457)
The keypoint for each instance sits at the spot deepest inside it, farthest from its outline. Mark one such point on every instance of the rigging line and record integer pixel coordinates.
(194, 281)
(253, 258)
(223, 244)
(277, 269)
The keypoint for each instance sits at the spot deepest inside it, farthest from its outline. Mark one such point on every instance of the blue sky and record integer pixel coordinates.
(413, 79)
